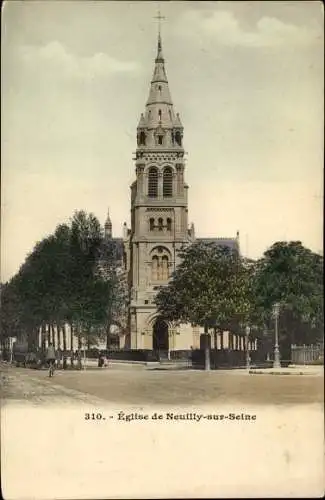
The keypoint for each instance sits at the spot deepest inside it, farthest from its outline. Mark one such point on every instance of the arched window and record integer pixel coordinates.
(153, 183)
(142, 138)
(152, 224)
(159, 115)
(154, 268)
(160, 224)
(169, 224)
(164, 268)
(178, 138)
(160, 268)
(167, 182)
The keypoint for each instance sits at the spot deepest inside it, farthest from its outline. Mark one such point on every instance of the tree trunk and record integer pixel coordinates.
(43, 337)
(79, 346)
(215, 340)
(64, 330)
(59, 330)
(53, 335)
(58, 335)
(207, 349)
(108, 337)
(71, 345)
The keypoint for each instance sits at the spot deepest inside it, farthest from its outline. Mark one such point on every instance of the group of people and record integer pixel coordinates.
(51, 356)
(102, 360)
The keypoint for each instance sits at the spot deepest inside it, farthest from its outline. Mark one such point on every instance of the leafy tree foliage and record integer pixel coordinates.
(210, 287)
(291, 275)
(58, 284)
(117, 296)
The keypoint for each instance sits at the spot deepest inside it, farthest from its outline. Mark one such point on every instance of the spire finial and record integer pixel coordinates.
(159, 17)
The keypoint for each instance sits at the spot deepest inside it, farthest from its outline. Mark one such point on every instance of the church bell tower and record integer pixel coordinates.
(159, 214)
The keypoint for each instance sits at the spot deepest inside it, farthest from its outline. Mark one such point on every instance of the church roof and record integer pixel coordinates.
(224, 242)
(178, 122)
(142, 121)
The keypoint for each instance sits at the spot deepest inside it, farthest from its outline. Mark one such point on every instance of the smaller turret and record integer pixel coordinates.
(108, 227)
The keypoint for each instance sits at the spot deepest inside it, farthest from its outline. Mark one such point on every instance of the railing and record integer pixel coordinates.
(306, 354)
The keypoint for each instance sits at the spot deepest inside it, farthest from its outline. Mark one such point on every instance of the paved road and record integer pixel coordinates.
(23, 386)
(161, 387)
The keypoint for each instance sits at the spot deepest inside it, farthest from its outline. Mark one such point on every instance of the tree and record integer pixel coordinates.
(59, 284)
(88, 292)
(110, 272)
(11, 312)
(291, 275)
(210, 288)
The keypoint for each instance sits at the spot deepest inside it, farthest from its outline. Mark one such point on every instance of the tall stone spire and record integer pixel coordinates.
(159, 126)
(159, 215)
(160, 57)
(108, 226)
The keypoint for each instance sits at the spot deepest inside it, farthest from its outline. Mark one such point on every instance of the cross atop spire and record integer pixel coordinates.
(159, 17)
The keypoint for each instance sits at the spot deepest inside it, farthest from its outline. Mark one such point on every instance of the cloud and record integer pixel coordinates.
(54, 56)
(269, 32)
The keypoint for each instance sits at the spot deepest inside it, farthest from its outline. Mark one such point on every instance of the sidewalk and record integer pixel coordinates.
(317, 370)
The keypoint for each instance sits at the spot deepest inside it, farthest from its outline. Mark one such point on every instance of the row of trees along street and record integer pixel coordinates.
(214, 287)
(71, 278)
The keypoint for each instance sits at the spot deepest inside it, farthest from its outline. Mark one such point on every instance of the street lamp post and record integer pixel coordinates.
(248, 360)
(276, 313)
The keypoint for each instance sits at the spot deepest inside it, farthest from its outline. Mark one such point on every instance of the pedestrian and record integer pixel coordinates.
(50, 355)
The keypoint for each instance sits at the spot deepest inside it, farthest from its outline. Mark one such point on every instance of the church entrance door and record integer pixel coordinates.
(160, 341)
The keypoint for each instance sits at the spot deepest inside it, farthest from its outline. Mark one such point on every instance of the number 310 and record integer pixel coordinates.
(93, 416)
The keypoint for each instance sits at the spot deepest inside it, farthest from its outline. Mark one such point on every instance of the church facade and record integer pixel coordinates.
(159, 220)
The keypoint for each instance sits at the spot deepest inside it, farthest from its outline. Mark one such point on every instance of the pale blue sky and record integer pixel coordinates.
(246, 78)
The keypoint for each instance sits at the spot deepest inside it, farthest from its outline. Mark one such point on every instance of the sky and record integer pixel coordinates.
(246, 78)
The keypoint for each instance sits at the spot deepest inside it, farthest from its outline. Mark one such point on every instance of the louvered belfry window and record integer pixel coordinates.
(168, 182)
(153, 183)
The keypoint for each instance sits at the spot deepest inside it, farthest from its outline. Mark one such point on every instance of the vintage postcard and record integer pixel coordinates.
(162, 260)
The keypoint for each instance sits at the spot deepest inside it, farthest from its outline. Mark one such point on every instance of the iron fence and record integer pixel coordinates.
(307, 354)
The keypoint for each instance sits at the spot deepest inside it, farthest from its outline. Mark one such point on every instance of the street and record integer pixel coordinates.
(136, 386)
(98, 434)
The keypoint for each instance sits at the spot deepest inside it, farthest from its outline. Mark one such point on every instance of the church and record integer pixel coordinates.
(159, 221)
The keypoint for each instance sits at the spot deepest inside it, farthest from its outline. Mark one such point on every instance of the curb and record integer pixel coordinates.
(260, 372)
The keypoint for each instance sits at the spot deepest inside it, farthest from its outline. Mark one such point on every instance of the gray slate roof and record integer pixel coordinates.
(224, 242)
